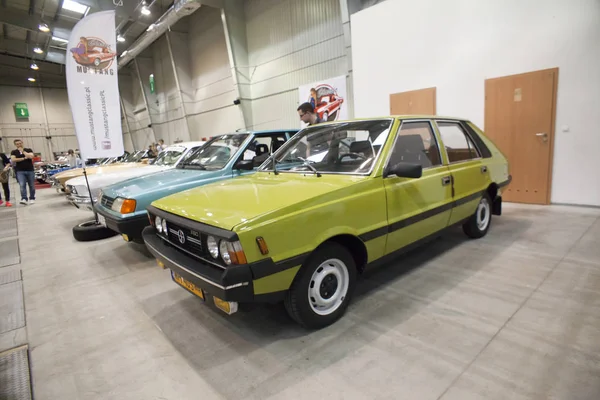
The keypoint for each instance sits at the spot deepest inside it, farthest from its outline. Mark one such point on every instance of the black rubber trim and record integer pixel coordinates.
(506, 182)
(374, 234)
(231, 284)
(130, 226)
(389, 257)
(194, 225)
(483, 149)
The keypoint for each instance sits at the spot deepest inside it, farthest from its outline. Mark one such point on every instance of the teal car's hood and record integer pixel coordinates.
(146, 189)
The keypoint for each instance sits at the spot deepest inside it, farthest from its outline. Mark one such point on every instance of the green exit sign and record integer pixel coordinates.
(21, 110)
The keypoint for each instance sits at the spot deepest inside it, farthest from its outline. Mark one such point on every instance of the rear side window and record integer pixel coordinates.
(458, 144)
(416, 144)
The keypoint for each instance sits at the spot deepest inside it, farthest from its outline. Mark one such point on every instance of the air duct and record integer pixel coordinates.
(180, 9)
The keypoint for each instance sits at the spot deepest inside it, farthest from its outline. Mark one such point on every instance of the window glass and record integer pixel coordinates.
(416, 144)
(260, 148)
(349, 147)
(216, 153)
(168, 156)
(458, 145)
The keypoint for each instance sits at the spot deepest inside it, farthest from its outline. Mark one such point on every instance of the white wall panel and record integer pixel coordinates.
(465, 42)
(290, 43)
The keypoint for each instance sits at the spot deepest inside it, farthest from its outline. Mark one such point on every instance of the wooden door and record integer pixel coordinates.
(519, 118)
(419, 102)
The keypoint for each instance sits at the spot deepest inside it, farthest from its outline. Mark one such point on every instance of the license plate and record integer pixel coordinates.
(188, 285)
(101, 219)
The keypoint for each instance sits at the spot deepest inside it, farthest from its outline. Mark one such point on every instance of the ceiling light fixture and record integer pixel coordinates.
(61, 40)
(123, 53)
(31, 79)
(34, 67)
(38, 50)
(146, 11)
(120, 38)
(152, 26)
(75, 7)
(43, 27)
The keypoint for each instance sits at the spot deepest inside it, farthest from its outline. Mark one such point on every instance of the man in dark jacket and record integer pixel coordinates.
(23, 159)
(4, 177)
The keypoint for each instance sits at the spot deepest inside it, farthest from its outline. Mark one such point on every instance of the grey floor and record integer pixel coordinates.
(515, 315)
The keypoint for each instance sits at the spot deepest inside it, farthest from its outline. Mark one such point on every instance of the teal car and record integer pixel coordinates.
(122, 206)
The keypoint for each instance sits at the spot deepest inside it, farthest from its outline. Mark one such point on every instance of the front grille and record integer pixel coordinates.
(194, 242)
(107, 201)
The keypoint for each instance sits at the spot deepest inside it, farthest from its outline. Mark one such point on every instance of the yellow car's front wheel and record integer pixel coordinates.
(322, 289)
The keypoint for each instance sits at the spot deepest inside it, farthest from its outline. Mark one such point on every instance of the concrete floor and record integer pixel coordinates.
(515, 315)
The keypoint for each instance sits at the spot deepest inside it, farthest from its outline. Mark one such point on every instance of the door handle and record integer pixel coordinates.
(483, 169)
(543, 135)
(446, 180)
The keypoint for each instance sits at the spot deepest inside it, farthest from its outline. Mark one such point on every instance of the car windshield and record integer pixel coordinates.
(216, 153)
(169, 157)
(342, 148)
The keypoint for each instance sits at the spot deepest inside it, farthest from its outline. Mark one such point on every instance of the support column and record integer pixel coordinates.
(177, 84)
(137, 71)
(46, 125)
(234, 26)
(349, 7)
(127, 122)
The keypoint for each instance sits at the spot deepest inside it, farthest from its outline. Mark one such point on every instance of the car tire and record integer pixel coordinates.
(90, 231)
(479, 223)
(333, 269)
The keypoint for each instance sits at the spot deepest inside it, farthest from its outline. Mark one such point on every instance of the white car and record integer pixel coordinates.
(167, 159)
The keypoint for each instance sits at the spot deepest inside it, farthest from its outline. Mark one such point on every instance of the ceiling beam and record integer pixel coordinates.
(20, 48)
(21, 19)
(30, 71)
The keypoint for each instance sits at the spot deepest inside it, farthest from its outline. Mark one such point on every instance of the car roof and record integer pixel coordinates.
(403, 117)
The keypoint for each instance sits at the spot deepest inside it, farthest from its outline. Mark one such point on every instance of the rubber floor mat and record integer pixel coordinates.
(15, 380)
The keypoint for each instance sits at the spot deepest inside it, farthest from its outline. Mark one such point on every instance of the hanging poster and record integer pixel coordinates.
(328, 97)
(92, 86)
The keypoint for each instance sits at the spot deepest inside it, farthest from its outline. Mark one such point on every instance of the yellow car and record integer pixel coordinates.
(331, 202)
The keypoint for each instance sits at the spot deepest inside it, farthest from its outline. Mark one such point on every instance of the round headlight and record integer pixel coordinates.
(224, 252)
(158, 224)
(164, 225)
(213, 248)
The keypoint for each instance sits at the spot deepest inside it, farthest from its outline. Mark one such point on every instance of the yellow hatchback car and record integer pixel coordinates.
(335, 199)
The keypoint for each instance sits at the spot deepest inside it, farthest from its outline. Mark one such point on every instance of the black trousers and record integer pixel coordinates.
(6, 192)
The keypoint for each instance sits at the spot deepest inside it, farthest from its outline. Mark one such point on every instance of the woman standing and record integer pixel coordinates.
(4, 176)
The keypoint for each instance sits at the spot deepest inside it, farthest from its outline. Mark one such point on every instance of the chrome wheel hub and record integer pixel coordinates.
(328, 286)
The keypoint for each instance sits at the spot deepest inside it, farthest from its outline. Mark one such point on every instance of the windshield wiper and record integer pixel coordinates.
(306, 163)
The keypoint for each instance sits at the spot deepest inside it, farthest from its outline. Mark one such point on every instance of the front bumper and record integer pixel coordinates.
(233, 283)
(130, 226)
(83, 203)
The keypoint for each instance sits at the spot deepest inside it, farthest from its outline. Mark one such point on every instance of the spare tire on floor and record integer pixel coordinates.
(91, 230)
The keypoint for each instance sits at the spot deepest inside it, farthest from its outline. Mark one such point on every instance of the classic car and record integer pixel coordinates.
(300, 230)
(328, 103)
(133, 160)
(122, 206)
(79, 194)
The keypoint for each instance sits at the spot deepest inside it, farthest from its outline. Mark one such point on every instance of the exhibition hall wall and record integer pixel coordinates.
(461, 43)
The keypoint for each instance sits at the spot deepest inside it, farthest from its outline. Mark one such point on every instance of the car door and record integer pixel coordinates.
(469, 173)
(419, 207)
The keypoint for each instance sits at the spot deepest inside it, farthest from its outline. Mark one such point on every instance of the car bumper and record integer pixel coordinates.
(83, 203)
(131, 226)
(233, 284)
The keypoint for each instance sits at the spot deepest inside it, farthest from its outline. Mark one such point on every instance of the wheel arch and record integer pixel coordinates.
(353, 244)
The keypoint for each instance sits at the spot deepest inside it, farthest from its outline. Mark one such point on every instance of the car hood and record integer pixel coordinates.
(72, 173)
(115, 175)
(245, 201)
(158, 183)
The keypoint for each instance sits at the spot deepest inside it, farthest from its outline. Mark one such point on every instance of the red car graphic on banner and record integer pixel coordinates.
(93, 52)
(327, 102)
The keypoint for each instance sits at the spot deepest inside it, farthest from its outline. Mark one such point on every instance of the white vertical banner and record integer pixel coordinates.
(93, 88)
(327, 98)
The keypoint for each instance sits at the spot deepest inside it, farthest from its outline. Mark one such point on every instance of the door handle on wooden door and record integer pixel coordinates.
(543, 135)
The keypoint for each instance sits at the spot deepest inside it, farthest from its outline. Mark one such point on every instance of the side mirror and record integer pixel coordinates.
(244, 165)
(405, 170)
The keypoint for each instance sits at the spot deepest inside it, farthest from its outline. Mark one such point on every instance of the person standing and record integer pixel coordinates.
(72, 158)
(23, 159)
(160, 146)
(307, 114)
(4, 176)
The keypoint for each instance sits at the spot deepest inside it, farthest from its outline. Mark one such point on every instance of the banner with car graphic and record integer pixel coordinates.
(328, 97)
(92, 85)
